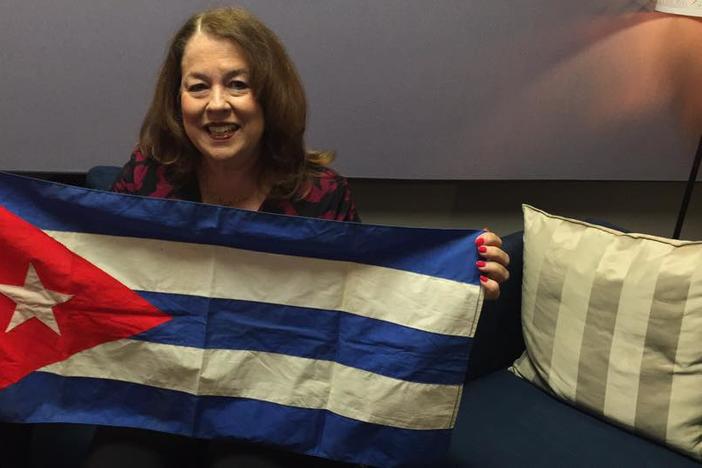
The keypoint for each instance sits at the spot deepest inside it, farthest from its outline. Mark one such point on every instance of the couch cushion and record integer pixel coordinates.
(613, 323)
(101, 177)
(505, 421)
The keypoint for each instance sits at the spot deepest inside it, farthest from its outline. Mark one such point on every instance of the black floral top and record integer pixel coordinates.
(328, 198)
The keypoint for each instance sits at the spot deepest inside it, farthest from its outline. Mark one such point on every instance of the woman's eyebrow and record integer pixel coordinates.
(229, 74)
(236, 72)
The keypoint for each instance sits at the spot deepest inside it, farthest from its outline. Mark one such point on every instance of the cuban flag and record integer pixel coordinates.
(339, 340)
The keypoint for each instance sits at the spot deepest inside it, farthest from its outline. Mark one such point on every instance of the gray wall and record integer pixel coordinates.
(446, 89)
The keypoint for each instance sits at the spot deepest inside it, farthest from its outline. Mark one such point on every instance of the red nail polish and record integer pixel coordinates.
(482, 249)
(480, 263)
(483, 278)
(479, 241)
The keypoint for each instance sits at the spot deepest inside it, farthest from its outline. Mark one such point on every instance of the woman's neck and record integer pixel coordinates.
(235, 186)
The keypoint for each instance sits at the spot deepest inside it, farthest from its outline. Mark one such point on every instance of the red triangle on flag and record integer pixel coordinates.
(99, 308)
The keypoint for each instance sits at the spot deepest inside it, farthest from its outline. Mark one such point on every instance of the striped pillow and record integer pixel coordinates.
(613, 324)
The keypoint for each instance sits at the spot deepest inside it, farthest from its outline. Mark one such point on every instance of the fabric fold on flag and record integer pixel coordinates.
(339, 340)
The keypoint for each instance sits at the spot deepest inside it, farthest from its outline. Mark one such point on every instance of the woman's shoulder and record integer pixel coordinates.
(139, 161)
(142, 175)
(326, 179)
(139, 158)
(327, 196)
(325, 182)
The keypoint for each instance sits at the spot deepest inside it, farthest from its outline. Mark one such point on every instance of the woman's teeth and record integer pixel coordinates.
(222, 129)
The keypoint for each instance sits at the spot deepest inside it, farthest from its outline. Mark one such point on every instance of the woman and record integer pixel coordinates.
(226, 127)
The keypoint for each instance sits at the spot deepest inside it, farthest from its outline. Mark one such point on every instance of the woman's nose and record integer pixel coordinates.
(218, 101)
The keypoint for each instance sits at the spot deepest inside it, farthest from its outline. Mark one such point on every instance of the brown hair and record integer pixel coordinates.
(287, 165)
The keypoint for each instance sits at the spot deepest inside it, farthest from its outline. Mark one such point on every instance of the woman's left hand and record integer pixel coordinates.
(493, 264)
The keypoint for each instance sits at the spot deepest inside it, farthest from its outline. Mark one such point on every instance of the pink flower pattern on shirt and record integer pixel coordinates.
(329, 197)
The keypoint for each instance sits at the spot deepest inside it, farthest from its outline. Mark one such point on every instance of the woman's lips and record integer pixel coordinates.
(222, 131)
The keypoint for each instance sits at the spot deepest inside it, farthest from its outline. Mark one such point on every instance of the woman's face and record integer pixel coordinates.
(220, 113)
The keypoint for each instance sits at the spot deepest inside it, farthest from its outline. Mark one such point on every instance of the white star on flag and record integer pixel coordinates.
(33, 301)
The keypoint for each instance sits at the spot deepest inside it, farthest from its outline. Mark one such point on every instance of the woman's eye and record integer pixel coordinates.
(238, 85)
(194, 88)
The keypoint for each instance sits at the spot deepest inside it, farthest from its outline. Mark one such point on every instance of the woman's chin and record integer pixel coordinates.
(227, 158)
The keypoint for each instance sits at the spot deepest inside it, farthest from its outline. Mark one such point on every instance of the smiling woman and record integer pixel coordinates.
(222, 119)
(226, 126)
(220, 113)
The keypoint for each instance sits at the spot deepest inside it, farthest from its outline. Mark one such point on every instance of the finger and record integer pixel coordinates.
(494, 254)
(490, 287)
(488, 238)
(493, 270)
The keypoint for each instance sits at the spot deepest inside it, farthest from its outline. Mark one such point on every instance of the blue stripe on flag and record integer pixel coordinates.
(52, 206)
(43, 397)
(376, 346)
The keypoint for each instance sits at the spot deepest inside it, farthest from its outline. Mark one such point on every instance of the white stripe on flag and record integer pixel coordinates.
(419, 301)
(271, 377)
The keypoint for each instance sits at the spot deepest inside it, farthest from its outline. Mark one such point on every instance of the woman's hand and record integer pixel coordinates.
(493, 265)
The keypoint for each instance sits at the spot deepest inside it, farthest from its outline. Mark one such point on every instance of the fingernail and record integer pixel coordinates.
(483, 278)
(482, 249)
(479, 241)
(480, 263)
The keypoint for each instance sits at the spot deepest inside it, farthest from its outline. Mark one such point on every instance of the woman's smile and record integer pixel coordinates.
(222, 131)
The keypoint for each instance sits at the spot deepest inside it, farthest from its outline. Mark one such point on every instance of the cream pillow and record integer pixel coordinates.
(613, 324)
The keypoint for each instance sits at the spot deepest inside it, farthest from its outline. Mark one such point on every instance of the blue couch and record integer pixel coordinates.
(503, 421)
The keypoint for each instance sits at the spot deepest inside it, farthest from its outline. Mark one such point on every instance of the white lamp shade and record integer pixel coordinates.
(680, 7)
